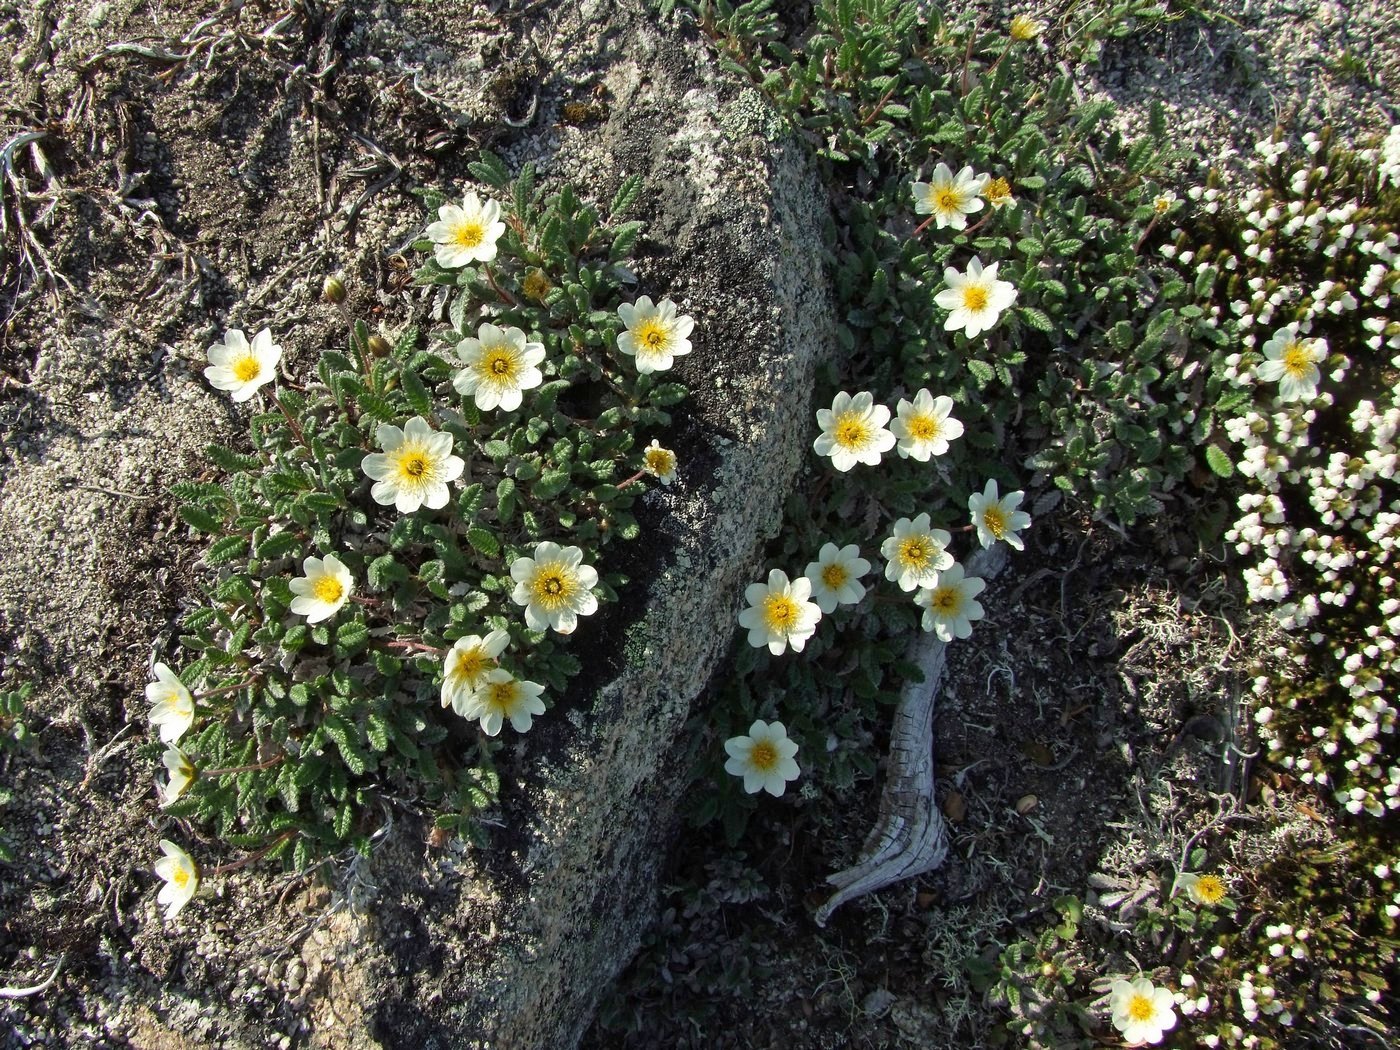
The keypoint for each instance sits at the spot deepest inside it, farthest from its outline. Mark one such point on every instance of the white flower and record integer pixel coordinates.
(655, 333)
(998, 519)
(173, 709)
(555, 587)
(325, 587)
(1203, 889)
(976, 298)
(779, 613)
(998, 194)
(853, 431)
(239, 368)
(181, 877)
(950, 603)
(414, 468)
(924, 426)
(764, 758)
(949, 198)
(182, 774)
(466, 665)
(1024, 27)
(915, 553)
(1292, 363)
(1140, 1011)
(503, 696)
(1162, 203)
(835, 576)
(466, 234)
(500, 363)
(659, 462)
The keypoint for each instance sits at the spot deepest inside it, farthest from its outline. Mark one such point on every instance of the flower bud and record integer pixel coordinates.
(333, 290)
(379, 346)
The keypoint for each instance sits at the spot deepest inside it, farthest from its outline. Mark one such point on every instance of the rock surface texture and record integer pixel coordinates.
(214, 190)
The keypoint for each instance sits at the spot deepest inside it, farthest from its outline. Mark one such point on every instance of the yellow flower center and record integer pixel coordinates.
(413, 464)
(764, 756)
(998, 191)
(1210, 889)
(923, 428)
(327, 589)
(660, 460)
(181, 878)
(917, 552)
(553, 586)
(1023, 28)
(536, 285)
(851, 430)
(780, 613)
(945, 600)
(947, 199)
(246, 369)
(471, 665)
(652, 336)
(499, 363)
(975, 297)
(1297, 361)
(469, 234)
(995, 521)
(1161, 204)
(502, 695)
(834, 576)
(1141, 1008)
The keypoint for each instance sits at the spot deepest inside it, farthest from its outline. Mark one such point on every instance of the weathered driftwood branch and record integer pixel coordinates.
(909, 837)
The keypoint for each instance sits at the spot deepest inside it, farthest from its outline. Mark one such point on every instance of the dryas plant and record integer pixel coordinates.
(302, 728)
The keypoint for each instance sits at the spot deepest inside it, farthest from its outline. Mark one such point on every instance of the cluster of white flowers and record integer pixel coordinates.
(1352, 491)
(1388, 162)
(854, 429)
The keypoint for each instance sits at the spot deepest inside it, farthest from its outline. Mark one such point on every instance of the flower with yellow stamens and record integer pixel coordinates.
(555, 587)
(950, 603)
(1291, 361)
(976, 298)
(1209, 890)
(997, 193)
(996, 518)
(182, 775)
(765, 758)
(181, 876)
(659, 462)
(835, 576)
(240, 368)
(655, 334)
(1023, 27)
(853, 431)
(414, 468)
(780, 613)
(915, 553)
(466, 234)
(1142, 1012)
(949, 198)
(173, 706)
(325, 586)
(923, 427)
(500, 364)
(466, 665)
(501, 697)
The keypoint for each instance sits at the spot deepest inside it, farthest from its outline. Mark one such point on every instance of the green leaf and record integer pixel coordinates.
(491, 170)
(231, 461)
(1036, 318)
(483, 541)
(415, 391)
(982, 372)
(351, 636)
(1218, 461)
(626, 194)
(551, 483)
(200, 519)
(225, 549)
(277, 545)
(505, 500)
